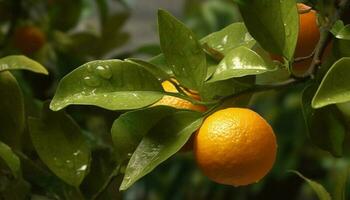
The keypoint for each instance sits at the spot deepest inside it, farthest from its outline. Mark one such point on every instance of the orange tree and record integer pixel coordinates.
(48, 152)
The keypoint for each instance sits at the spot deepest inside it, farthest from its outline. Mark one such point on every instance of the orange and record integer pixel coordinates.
(29, 39)
(308, 37)
(178, 102)
(235, 146)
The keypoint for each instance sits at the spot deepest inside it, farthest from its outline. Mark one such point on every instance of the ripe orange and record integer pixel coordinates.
(235, 146)
(29, 39)
(177, 102)
(308, 37)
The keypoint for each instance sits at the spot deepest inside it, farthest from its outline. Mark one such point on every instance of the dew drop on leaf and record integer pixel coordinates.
(104, 72)
(91, 81)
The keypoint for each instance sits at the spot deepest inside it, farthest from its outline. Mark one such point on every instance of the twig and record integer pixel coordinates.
(299, 59)
(114, 173)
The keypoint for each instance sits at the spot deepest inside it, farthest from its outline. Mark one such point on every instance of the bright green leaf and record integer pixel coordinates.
(335, 85)
(340, 31)
(325, 125)
(162, 141)
(60, 145)
(110, 84)
(21, 62)
(11, 159)
(320, 191)
(11, 110)
(239, 62)
(274, 24)
(228, 38)
(128, 130)
(182, 51)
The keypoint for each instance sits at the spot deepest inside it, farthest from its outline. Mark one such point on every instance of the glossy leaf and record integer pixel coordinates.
(160, 62)
(326, 127)
(11, 159)
(21, 62)
(220, 89)
(229, 38)
(335, 85)
(128, 130)
(182, 51)
(239, 62)
(162, 141)
(274, 24)
(157, 72)
(60, 145)
(340, 31)
(110, 84)
(320, 191)
(11, 110)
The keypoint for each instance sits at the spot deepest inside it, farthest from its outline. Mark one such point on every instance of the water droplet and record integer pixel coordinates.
(89, 68)
(91, 81)
(104, 71)
(76, 153)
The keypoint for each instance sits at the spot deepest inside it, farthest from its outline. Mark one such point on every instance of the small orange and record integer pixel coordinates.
(29, 39)
(235, 146)
(177, 102)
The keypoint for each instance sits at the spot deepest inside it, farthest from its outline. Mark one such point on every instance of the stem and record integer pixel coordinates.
(299, 59)
(190, 99)
(114, 173)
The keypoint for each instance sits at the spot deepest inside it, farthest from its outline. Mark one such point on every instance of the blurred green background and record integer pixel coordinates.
(75, 32)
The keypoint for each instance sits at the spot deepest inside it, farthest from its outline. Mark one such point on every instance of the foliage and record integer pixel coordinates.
(70, 132)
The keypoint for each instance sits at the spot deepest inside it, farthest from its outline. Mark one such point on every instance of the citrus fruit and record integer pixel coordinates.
(235, 146)
(178, 102)
(308, 37)
(29, 39)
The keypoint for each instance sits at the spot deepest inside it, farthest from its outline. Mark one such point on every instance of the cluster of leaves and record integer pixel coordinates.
(222, 66)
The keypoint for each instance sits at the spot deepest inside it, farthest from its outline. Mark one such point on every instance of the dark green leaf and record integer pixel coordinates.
(65, 14)
(335, 85)
(230, 37)
(11, 110)
(239, 62)
(110, 84)
(320, 191)
(274, 24)
(157, 72)
(220, 89)
(128, 130)
(59, 142)
(160, 62)
(11, 159)
(162, 141)
(325, 125)
(21, 62)
(182, 51)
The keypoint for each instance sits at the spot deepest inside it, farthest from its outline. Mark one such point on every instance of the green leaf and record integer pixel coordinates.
(11, 159)
(11, 110)
(129, 129)
(274, 24)
(21, 62)
(325, 125)
(320, 191)
(340, 31)
(162, 141)
(157, 72)
(229, 38)
(65, 14)
(60, 145)
(335, 85)
(220, 89)
(182, 51)
(110, 84)
(160, 62)
(239, 62)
